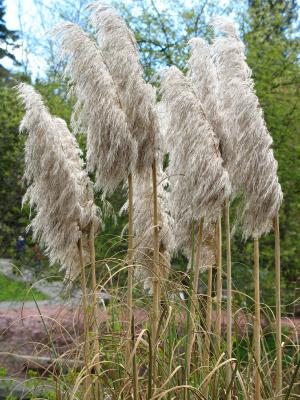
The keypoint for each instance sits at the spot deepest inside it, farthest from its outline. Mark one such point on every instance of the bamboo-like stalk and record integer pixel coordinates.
(208, 327)
(256, 328)
(218, 323)
(94, 278)
(218, 326)
(134, 364)
(96, 356)
(156, 282)
(86, 347)
(130, 262)
(194, 300)
(229, 292)
(278, 307)
(189, 322)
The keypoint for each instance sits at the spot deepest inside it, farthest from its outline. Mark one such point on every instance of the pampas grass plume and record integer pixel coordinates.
(203, 74)
(111, 148)
(143, 229)
(58, 187)
(253, 168)
(199, 181)
(137, 97)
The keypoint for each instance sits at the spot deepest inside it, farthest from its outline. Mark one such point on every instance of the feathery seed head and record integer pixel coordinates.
(58, 187)
(137, 97)
(251, 165)
(143, 229)
(203, 75)
(208, 245)
(111, 148)
(224, 25)
(229, 50)
(199, 181)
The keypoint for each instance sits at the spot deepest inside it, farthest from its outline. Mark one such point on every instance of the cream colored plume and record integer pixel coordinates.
(163, 121)
(230, 51)
(208, 244)
(252, 167)
(58, 187)
(198, 179)
(208, 256)
(137, 98)
(203, 75)
(143, 230)
(111, 148)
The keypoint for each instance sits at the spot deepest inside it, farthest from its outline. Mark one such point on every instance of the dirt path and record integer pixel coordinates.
(22, 324)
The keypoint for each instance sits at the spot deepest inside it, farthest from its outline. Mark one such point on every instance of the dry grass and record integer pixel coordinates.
(69, 377)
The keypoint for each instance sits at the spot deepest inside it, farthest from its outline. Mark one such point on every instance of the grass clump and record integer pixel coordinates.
(11, 290)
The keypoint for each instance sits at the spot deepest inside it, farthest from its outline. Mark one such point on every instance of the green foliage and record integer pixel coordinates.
(112, 241)
(272, 53)
(163, 30)
(11, 397)
(55, 95)
(11, 290)
(12, 218)
(8, 40)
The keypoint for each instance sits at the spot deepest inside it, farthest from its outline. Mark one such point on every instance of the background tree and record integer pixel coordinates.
(12, 219)
(271, 29)
(8, 41)
(163, 29)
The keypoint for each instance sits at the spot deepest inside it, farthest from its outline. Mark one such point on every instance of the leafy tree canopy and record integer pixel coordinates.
(8, 39)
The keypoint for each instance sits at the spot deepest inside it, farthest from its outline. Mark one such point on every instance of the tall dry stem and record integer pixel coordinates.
(94, 276)
(229, 292)
(208, 327)
(94, 311)
(156, 281)
(86, 344)
(218, 326)
(278, 307)
(194, 301)
(130, 258)
(256, 328)
(135, 377)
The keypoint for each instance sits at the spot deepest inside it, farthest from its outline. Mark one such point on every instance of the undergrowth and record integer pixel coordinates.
(120, 375)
